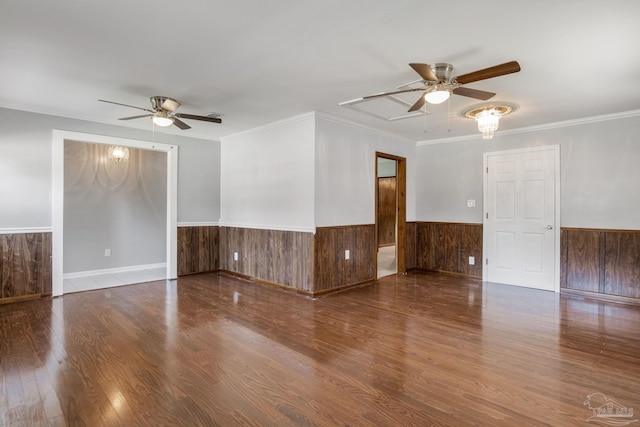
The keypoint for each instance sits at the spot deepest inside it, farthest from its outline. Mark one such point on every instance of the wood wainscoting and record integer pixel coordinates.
(410, 250)
(25, 266)
(446, 247)
(332, 271)
(282, 258)
(198, 249)
(602, 261)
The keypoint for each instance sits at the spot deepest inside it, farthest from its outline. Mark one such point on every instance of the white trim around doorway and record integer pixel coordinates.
(58, 139)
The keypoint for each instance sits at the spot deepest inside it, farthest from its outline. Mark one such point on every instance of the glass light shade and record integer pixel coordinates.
(162, 119)
(437, 96)
(118, 153)
(488, 121)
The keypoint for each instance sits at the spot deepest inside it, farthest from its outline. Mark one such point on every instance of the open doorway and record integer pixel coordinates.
(59, 137)
(390, 214)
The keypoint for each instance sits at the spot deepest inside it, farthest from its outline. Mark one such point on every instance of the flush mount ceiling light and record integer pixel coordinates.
(118, 153)
(488, 117)
(162, 118)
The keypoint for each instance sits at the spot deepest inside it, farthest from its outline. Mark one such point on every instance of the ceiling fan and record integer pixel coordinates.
(163, 113)
(438, 83)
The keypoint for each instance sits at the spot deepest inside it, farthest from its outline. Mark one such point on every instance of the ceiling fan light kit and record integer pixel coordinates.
(438, 95)
(488, 117)
(162, 118)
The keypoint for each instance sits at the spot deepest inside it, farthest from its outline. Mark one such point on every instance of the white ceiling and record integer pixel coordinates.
(261, 61)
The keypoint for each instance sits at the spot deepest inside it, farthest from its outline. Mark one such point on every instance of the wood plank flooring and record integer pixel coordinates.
(420, 349)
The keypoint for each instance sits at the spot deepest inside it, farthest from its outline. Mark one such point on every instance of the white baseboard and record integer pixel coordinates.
(113, 270)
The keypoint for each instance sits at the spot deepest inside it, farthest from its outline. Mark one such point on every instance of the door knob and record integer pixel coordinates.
(549, 227)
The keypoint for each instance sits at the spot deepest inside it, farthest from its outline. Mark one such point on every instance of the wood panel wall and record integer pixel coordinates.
(332, 271)
(410, 246)
(442, 246)
(278, 257)
(198, 249)
(387, 211)
(602, 261)
(593, 260)
(25, 266)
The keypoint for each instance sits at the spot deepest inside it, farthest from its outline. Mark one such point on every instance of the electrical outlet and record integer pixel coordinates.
(472, 260)
(107, 252)
(235, 256)
(346, 254)
(471, 203)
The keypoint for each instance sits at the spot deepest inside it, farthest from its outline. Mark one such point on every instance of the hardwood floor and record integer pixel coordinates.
(210, 349)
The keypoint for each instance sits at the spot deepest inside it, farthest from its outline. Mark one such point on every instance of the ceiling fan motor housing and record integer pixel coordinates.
(443, 71)
(164, 103)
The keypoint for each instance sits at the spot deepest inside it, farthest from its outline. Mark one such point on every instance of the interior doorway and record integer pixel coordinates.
(390, 214)
(522, 216)
(58, 139)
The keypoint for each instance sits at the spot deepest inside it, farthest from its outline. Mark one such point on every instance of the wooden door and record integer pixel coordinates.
(387, 202)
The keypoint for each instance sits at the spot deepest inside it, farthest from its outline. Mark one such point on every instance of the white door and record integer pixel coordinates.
(521, 225)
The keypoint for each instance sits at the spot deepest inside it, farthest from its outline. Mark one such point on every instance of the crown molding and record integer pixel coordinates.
(269, 126)
(365, 128)
(538, 128)
(151, 134)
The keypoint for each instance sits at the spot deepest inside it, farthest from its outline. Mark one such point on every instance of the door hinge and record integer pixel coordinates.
(487, 215)
(487, 169)
(486, 261)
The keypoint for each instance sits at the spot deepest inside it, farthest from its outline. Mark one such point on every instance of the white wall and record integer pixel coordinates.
(346, 172)
(598, 164)
(267, 176)
(199, 182)
(26, 168)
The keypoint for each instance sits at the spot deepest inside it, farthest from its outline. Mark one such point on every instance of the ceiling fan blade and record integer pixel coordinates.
(488, 73)
(202, 118)
(419, 103)
(170, 105)
(377, 95)
(126, 105)
(425, 71)
(474, 93)
(179, 123)
(136, 117)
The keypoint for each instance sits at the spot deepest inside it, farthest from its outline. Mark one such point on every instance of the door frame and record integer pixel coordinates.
(58, 139)
(556, 232)
(401, 211)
